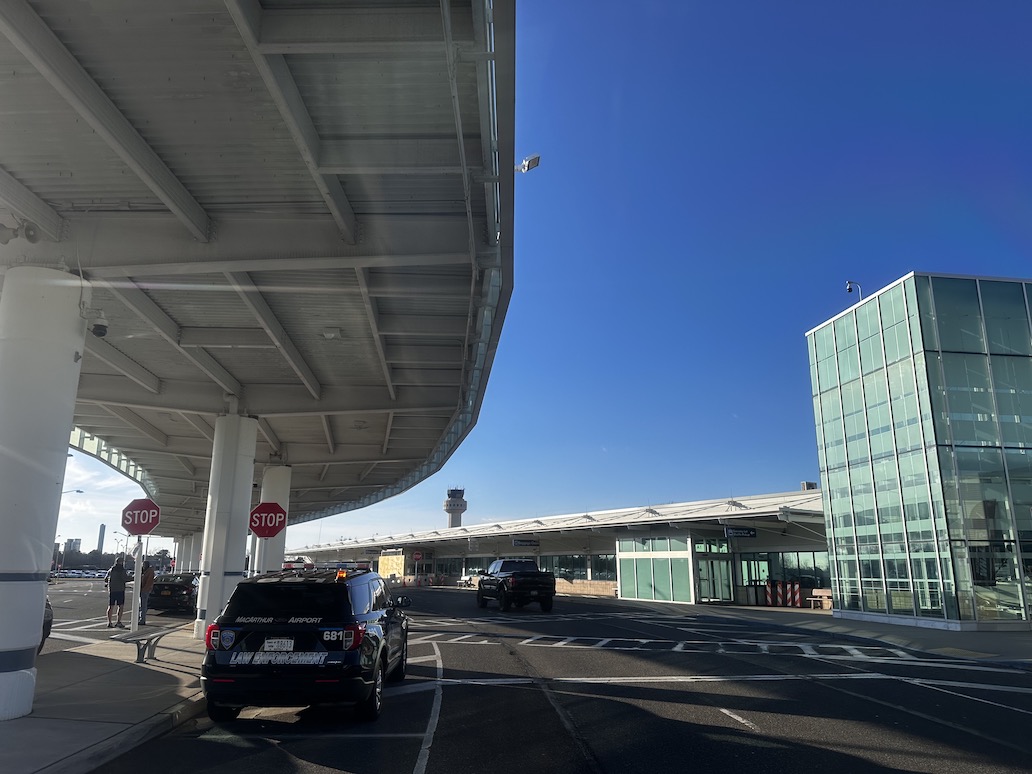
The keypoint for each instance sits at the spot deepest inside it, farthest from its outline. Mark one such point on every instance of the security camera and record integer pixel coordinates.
(849, 286)
(100, 326)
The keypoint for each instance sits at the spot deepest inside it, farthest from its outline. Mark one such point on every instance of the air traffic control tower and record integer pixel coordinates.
(455, 506)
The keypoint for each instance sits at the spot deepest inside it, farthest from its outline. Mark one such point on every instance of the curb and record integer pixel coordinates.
(114, 746)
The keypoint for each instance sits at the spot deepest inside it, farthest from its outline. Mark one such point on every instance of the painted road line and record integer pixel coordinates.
(748, 724)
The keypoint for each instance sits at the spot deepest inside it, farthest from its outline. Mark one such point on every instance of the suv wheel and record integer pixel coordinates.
(546, 604)
(370, 707)
(504, 600)
(481, 599)
(398, 673)
(219, 714)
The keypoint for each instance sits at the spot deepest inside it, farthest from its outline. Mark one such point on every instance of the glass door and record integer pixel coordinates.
(715, 580)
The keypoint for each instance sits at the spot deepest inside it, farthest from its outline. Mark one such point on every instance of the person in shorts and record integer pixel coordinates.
(115, 584)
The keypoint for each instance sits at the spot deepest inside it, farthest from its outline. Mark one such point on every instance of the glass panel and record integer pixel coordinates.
(971, 415)
(1019, 471)
(643, 569)
(679, 543)
(879, 419)
(906, 420)
(628, 584)
(871, 357)
(603, 567)
(661, 579)
(892, 307)
(854, 422)
(1012, 384)
(824, 343)
(1006, 320)
(983, 494)
(868, 323)
(681, 576)
(845, 332)
(956, 308)
(924, 300)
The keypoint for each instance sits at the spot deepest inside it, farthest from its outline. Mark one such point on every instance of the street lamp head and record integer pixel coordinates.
(528, 163)
(849, 288)
(77, 491)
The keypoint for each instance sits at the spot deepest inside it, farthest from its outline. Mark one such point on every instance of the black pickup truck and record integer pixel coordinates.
(516, 582)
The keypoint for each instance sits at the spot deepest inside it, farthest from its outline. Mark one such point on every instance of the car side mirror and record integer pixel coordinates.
(402, 601)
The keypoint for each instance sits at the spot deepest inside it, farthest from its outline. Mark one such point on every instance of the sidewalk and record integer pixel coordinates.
(94, 703)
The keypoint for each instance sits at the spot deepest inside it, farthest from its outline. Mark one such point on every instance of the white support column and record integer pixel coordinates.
(42, 330)
(275, 489)
(194, 543)
(225, 524)
(252, 552)
(177, 552)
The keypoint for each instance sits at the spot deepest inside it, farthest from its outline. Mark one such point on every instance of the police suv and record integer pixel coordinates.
(302, 637)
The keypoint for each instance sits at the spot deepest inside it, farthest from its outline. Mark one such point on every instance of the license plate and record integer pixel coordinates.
(166, 593)
(533, 593)
(278, 644)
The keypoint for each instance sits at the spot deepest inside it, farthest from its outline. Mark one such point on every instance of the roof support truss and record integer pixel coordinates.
(248, 16)
(37, 43)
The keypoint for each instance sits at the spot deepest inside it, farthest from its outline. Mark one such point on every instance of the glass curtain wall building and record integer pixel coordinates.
(922, 398)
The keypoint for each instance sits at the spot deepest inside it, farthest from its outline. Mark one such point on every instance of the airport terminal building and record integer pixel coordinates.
(922, 398)
(730, 550)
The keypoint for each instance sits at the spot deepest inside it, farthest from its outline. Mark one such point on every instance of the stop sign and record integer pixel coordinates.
(267, 520)
(140, 517)
(417, 556)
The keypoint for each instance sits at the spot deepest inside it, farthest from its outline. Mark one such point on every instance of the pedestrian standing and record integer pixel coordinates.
(146, 586)
(115, 582)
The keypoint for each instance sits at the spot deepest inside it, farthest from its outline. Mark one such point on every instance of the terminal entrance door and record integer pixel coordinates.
(715, 580)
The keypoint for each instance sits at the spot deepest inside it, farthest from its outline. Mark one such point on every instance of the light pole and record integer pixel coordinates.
(850, 285)
(77, 491)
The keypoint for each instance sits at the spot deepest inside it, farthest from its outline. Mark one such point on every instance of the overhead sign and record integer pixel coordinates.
(739, 532)
(140, 517)
(267, 520)
(525, 542)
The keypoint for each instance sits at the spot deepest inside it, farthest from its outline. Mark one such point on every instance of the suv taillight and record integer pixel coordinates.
(353, 635)
(211, 637)
(512, 581)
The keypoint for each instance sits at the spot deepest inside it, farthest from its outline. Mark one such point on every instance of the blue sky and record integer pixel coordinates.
(711, 175)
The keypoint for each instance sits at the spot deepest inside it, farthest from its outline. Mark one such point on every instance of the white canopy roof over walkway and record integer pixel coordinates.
(298, 212)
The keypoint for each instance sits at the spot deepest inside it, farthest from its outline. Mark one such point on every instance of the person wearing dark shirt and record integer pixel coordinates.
(115, 582)
(146, 587)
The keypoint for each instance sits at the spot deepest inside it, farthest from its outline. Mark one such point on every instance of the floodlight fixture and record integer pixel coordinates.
(528, 163)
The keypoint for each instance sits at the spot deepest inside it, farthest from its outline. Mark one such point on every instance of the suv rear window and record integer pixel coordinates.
(323, 600)
(518, 565)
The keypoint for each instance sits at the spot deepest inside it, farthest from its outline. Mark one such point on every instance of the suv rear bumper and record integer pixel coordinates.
(285, 690)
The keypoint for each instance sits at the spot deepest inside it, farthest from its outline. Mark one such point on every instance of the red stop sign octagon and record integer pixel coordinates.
(140, 517)
(267, 520)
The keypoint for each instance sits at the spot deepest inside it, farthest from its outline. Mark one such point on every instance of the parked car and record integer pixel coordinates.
(471, 578)
(48, 624)
(177, 591)
(301, 637)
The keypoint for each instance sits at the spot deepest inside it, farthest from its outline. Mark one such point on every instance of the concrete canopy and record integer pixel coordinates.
(299, 214)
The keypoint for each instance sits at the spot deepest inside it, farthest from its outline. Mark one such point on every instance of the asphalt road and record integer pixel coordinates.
(603, 685)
